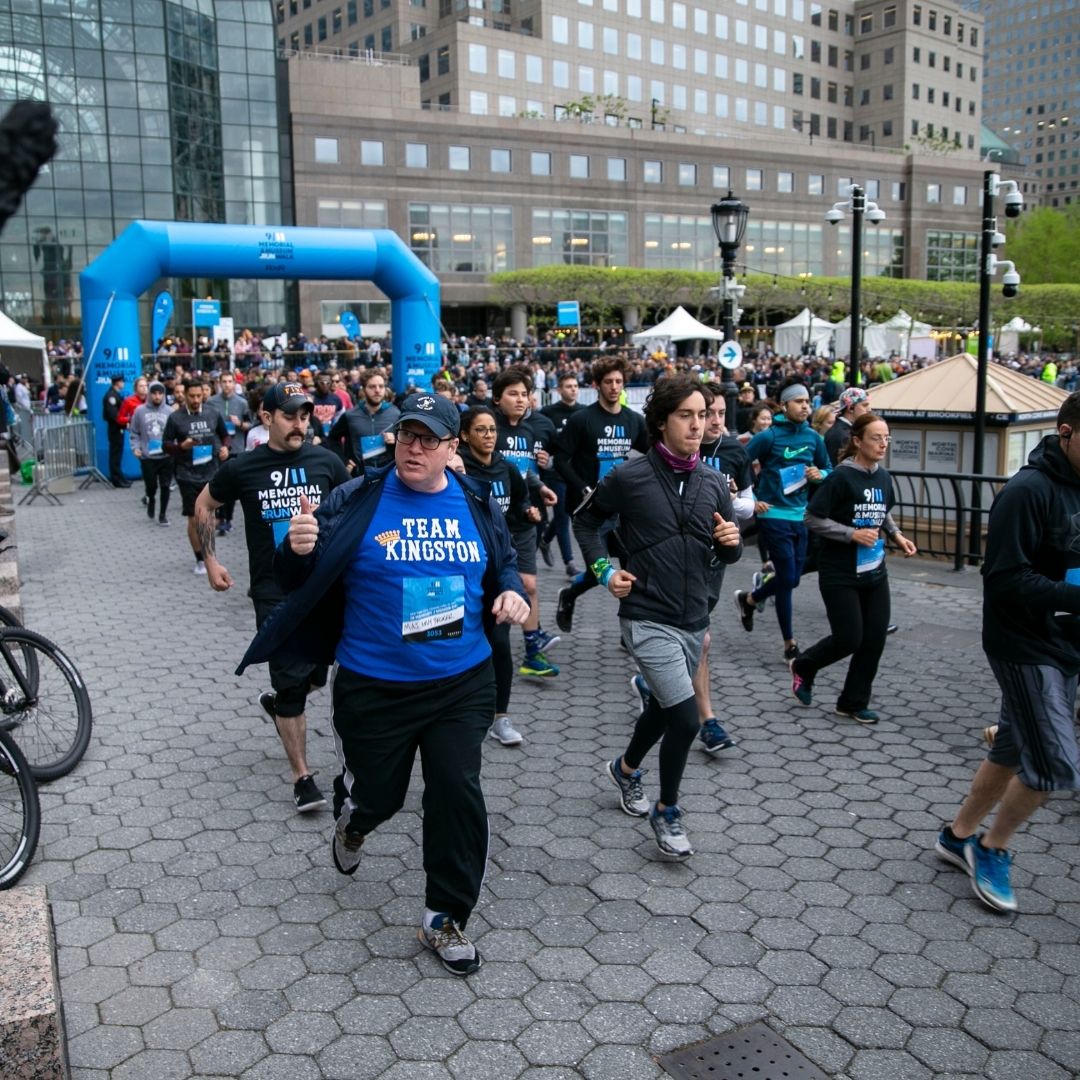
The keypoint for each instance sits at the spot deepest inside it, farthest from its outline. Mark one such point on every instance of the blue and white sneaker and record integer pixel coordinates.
(713, 736)
(954, 850)
(631, 794)
(545, 641)
(641, 688)
(990, 876)
(670, 832)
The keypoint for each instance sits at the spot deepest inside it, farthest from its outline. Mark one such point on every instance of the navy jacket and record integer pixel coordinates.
(306, 627)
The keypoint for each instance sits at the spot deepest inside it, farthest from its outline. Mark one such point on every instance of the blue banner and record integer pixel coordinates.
(350, 323)
(163, 309)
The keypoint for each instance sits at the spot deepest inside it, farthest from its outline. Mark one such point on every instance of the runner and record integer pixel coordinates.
(482, 461)
(675, 519)
(430, 549)
(595, 441)
(196, 439)
(146, 429)
(850, 512)
(237, 416)
(854, 402)
(366, 433)
(792, 456)
(558, 412)
(269, 483)
(518, 443)
(1031, 610)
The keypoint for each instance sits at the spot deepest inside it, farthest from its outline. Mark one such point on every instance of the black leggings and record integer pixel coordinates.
(157, 474)
(502, 659)
(674, 728)
(858, 618)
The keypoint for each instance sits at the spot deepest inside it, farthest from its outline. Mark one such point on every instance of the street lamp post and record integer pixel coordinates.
(988, 264)
(729, 217)
(859, 207)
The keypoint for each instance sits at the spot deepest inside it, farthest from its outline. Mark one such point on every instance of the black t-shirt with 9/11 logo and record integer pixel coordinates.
(269, 484)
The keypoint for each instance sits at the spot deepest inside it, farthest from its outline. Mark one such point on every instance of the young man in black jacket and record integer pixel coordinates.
(1031, 636)
(675, 522)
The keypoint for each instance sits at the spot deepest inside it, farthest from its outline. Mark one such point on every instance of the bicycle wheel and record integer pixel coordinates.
(20, 813)
(44, 701)
(29, 661)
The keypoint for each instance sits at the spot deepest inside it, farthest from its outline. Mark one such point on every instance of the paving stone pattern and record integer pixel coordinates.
(202, 930)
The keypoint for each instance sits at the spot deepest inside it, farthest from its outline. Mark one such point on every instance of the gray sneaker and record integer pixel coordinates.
(503, 731)
(670, 832)
(345, 845)
(456, 952)
(631, 796)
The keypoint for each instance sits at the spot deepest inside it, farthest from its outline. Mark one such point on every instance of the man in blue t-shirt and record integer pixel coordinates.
(419, 562)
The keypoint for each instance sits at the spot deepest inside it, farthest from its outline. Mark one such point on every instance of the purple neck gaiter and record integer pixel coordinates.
(677, 463)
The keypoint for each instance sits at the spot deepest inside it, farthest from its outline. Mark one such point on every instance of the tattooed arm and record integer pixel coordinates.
(205, 525)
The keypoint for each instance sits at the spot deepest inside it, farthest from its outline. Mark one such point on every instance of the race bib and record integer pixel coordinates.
(230, 427)
(201, 455)
(522, 462)
(372, 446)
(792, 477)
(433, 609)
(607, 463)
(869, 558)
(153, 446)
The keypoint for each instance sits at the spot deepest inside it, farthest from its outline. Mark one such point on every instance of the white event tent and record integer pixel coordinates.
(16, 343)
(806, 328)
(680, 325)
(1008, 337)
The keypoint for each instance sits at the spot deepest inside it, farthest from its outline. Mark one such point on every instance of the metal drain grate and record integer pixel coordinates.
(751, 1053)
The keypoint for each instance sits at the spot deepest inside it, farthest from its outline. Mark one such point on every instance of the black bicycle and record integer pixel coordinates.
(44, 701)
(20, 812)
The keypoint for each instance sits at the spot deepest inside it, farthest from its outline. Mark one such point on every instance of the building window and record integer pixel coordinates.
(351, 213)
(416, 155)
(889, 55)
(507, 64)
(459, 158)
(478, 103)
(721, 176)
(887, 92)
(886, 129)
(952, 256)
(387, 39)
(898, 191)
(326, 151)
(679, 242)
(785, 182)
(959, 195)
(653, 172)
(462, 239)
(687, 174)
(916, 15)
(933, 193)
(540, 163)
(616, 169)
(914, 91)
(371, 152)
(579, 237)
(478, 59)
(500, 160)
(755, 180)
(579, 166)
(866, 23)
(815, 184)
(442, 60)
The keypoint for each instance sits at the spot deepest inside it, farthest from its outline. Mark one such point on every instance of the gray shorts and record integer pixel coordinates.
(524, 540)
(667, 656)
(1037, 728)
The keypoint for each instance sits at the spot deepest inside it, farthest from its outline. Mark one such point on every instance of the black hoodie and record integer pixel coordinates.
(1031, 574)
(507, 485)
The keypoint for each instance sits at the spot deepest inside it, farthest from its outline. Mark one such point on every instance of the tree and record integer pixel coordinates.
(1045, 245)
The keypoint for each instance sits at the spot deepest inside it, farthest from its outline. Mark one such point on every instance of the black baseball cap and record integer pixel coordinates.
(289, 397)
(435, 412)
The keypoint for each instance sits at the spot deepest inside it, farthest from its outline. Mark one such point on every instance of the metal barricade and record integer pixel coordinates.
(67, 452)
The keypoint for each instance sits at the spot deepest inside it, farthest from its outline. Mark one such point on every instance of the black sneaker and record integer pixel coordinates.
(544, 547)
(455, 951)
(149, 508)
(268, 701)
(745, 610)
(306, 794)
(345, 846)
(564, 612)
(791, 652)
(163, 520)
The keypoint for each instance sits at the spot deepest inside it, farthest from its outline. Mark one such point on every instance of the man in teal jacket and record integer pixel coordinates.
(792, 456)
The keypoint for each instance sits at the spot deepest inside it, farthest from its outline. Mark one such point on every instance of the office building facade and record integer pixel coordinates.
(167, 109)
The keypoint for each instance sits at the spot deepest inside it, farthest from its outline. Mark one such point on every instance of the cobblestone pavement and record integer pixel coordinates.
(202, 930)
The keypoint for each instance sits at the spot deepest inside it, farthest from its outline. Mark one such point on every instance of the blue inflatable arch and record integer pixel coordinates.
(146, 251)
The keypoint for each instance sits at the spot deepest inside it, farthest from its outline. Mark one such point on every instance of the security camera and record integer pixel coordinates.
(834, 216)
(874, 215)
(1010, 284)
(997, 239)
(1014, 203)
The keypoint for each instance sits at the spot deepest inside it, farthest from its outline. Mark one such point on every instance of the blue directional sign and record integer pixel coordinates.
(205, 312)
(569, 313)
(730, 355)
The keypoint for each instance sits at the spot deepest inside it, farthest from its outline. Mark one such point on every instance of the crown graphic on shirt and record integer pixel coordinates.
(391, 536)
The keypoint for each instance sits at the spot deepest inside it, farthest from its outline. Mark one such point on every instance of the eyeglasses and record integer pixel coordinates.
(881, 440)
(483, 431)
(428, 442)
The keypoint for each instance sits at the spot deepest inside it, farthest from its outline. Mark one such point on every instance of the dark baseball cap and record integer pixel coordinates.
(289, 397)
(435, 412)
